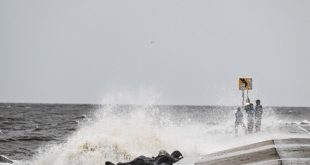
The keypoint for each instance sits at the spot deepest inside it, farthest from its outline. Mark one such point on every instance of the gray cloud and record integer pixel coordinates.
(192, 52)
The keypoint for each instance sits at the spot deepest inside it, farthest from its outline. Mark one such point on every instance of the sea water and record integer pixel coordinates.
(80, 134)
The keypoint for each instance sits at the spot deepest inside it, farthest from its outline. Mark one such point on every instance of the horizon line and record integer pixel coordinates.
(68, 103)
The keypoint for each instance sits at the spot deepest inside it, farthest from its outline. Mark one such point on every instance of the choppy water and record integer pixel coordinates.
(59, 134)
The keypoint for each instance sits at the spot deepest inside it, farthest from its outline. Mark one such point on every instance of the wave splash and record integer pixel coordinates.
(120, 134)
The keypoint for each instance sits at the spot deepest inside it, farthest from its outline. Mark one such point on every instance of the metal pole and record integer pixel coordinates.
(242, 88)
(242, 98)
(247, 94)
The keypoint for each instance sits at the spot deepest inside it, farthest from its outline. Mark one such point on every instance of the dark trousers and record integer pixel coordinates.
(237, 125)
(250, 125)
(258, 123)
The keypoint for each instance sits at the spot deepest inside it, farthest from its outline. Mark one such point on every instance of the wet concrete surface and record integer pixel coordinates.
(276, 151)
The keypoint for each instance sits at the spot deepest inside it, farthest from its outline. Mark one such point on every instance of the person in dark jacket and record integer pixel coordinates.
(249, 109)
(258, 115)
(163, 158)
(239, 121)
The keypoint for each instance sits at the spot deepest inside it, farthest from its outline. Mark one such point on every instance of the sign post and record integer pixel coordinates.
(245, 84)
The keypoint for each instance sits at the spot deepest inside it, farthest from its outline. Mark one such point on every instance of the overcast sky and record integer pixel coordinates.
(182, 52)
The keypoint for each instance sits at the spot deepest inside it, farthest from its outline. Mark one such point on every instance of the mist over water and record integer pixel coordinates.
(122, 132)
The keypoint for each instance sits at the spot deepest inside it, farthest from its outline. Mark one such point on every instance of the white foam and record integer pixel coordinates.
(121, 136)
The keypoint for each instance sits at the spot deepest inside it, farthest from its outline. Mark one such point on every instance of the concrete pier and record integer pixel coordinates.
(271, 152)
(4, 159)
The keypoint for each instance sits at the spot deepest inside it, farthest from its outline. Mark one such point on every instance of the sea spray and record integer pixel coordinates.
(123, 132)
(120, 135)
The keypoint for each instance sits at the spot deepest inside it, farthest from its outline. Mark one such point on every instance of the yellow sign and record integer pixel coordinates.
(245, 83)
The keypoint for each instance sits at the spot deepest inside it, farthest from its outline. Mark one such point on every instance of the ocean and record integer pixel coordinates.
(82, 134)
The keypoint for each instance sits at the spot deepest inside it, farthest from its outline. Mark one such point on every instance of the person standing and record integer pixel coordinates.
(258, 115)
(249, 109)
(239, 121)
